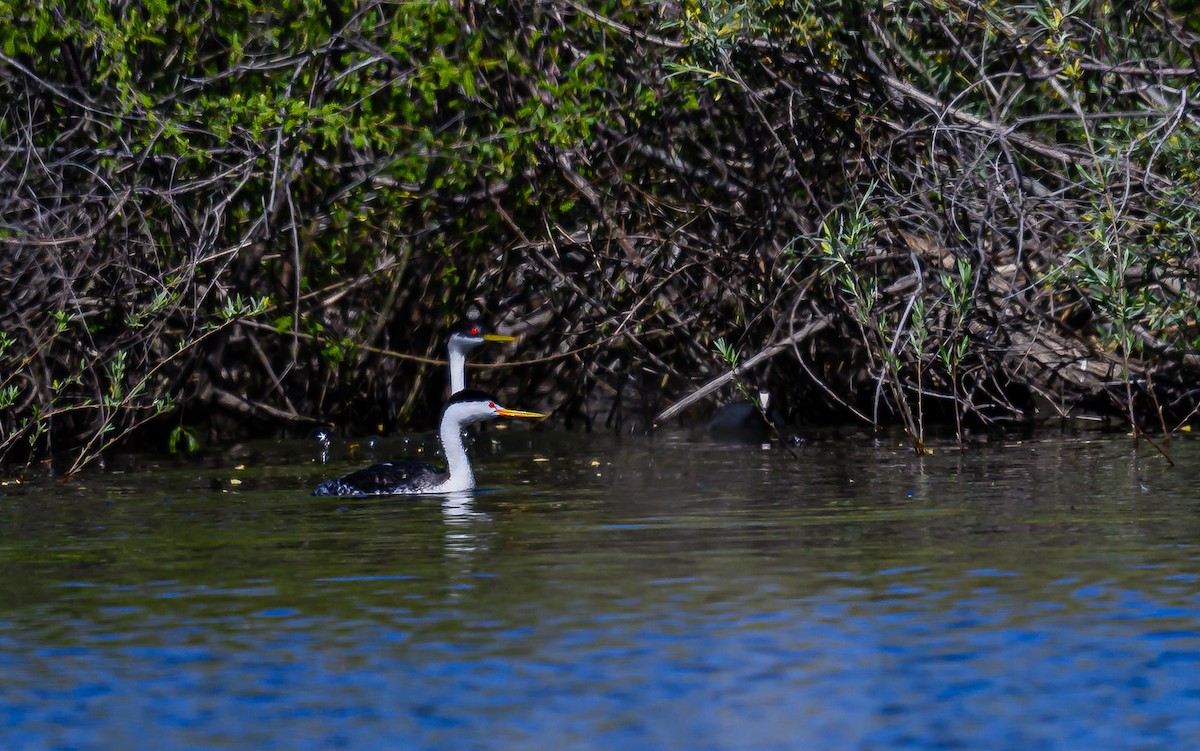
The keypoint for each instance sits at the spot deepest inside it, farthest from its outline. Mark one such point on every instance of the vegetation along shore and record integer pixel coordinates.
(239, 217)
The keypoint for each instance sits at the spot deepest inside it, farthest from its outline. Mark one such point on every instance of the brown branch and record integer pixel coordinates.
(809, 329)
(243, 406)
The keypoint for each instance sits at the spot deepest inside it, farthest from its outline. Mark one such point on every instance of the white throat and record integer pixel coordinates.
(458, 370)
(457, 464)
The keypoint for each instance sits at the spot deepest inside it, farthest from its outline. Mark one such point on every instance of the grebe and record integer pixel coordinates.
(744, 420)
(414, 478)
(464, 337)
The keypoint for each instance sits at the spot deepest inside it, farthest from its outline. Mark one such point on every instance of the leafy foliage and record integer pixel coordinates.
(240, 215)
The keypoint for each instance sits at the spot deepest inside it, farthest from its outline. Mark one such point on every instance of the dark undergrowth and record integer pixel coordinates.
(240, 218)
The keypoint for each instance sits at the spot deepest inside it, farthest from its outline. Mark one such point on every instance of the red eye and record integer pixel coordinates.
(491, 405)
(474, 331)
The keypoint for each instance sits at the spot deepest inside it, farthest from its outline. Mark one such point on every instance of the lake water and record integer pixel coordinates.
(612, 593)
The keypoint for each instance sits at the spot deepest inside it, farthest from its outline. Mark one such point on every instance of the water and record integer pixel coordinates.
(605, 593)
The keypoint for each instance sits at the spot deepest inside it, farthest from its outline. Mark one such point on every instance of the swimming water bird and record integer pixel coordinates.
(744, 420)
(415, 478)
(464, 337)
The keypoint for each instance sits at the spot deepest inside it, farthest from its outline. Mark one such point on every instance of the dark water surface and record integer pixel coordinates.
(603, 593)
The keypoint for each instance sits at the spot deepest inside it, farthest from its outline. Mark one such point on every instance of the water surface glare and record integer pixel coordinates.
(603, 593)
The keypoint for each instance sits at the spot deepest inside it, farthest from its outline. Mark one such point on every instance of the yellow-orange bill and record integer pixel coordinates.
(503, 412)
(499, 338)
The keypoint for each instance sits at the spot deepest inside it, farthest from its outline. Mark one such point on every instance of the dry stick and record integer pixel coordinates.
(900, 87)
(809, 329)
(276, 379)
(1137, 431)
(629, 31)
(439, 362)
(1002, 131)
(243, 406)
(393, 292)
(673, 162)
(85, 454)
(825, 387)
(593, 198)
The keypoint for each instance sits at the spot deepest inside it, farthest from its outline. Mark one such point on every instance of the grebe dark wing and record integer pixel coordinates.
(387, 478)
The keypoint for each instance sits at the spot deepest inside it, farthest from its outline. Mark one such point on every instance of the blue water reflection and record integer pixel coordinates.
(902, 669)
(574, 621)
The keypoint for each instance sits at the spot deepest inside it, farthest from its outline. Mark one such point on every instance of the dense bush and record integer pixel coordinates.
(236, 216)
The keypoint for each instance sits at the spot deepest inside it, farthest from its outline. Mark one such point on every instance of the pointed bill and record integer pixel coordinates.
(503, 412)
(499, 338)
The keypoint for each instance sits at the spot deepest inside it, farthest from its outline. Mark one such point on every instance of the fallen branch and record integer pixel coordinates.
(243, 406)
(811, 328)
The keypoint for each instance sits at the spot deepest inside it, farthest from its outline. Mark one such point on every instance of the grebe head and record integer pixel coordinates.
(470, 406)
(467, 335)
